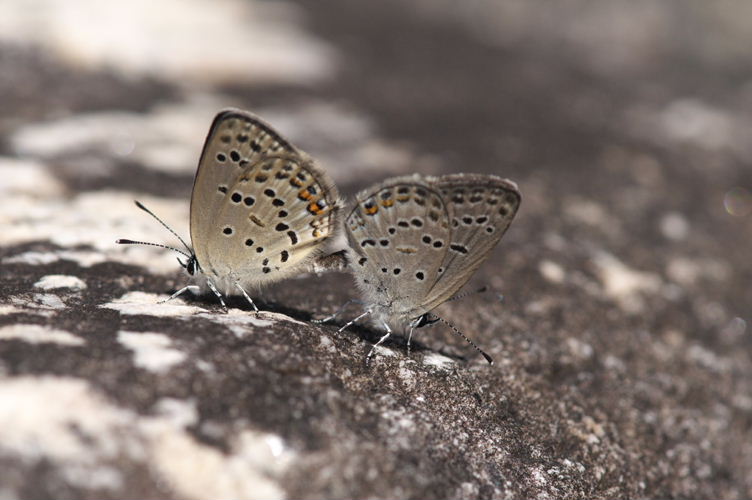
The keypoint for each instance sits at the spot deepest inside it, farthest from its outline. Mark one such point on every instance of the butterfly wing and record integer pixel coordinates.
(481, 208)
(260, 208)
(398, 234)
(234, 136)
(277, 216)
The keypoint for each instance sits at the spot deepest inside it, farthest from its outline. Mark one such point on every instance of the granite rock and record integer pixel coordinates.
(617, 307)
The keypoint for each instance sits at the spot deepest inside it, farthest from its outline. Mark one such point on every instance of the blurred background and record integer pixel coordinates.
(627, 122)
(627, 125)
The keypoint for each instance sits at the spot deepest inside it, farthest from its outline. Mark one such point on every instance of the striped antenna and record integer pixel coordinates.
(455, 330)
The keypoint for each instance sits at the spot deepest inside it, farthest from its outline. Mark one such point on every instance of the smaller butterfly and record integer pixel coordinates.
(261, 209)
(415, 241)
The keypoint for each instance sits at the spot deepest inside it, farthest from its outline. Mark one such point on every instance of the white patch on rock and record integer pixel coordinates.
(742, 402)
(168, 138)
(86, 258)
(152, 351)
(46, 301)
(623, 284)
(39, 334)
(60, 420)
(239, 320)
(25, 304)
(734, 330)
(611, 362)
(204, 43)
(276, 445)
(692, 120)
(552, 271)
(199, 471)
(275, 316)
(686, 271)
(327, 344)
(94, 219)
(683, 270)
(579, 349)
(587, 212)
(53, 281)
(134, 303)
(27, 177)
(380, 351)
(538, 476)
(205, 366)
(180, 412)
(407, 376)
(708, 359)
(236, 316)
(674, 226)
(9, 309)
(32, 258)
(438, 361)
(86, 437)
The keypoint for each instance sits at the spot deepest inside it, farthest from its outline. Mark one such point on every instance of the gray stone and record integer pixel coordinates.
(618, 304)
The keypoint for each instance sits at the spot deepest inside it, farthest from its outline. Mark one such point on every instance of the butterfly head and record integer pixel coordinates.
(426, 319)
(191, 265)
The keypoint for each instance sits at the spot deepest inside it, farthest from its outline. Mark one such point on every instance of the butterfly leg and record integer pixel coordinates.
(216, 292)
(356, 319)
(193, 288)
(409, 338)
(381, 341)
(245, 294)
(337, 313)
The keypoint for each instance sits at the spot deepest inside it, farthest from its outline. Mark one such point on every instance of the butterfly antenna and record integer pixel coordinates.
(455, 330)
(142, 207)
(482, 289)
(123, 241)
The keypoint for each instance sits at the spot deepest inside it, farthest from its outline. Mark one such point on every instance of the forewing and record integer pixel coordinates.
(398, 233)
(277, 216)
(481, 208)
(236, 140)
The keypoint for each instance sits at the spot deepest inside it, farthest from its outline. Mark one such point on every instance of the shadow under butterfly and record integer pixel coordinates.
(414, 241)
(261, 210)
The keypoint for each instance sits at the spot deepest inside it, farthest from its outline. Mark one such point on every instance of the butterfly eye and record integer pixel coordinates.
(424, 320)
(192, 266)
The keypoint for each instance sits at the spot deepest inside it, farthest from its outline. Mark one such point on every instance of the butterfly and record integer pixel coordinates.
(261, 209)
(414, 241)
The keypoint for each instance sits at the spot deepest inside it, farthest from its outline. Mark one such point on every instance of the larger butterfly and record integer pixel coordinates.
(261, 210)
(415, 241)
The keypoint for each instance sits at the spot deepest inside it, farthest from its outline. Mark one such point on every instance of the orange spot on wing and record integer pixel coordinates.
(304, 194)
(314, 208)
(406, 250)
(256, 220)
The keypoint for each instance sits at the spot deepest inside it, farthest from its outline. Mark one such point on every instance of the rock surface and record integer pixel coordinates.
(622, 343)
